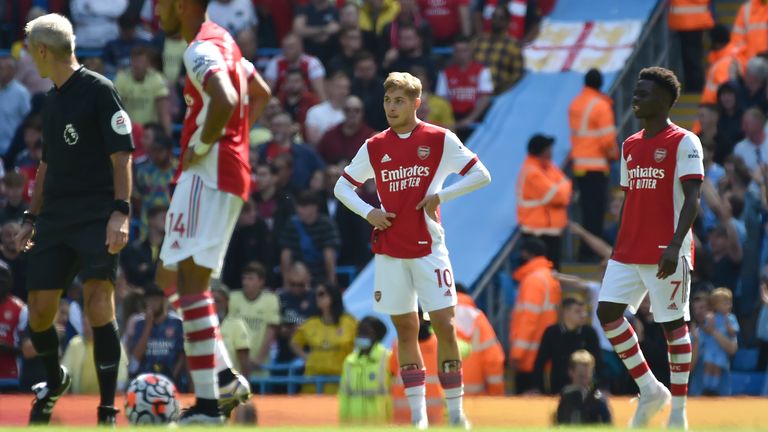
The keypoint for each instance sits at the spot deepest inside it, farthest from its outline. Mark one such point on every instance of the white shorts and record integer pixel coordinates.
(399, 283)
(199, 224)
(628, 284)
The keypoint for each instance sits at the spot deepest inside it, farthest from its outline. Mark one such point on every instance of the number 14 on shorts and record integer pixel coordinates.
(176, 224)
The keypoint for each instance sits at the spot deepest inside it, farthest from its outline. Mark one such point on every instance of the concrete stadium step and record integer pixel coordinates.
(684, 111)
(726, 10)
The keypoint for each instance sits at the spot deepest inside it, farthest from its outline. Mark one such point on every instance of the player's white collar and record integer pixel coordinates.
(408, 134)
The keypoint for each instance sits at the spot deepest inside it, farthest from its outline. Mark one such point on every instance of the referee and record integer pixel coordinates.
(78, 218)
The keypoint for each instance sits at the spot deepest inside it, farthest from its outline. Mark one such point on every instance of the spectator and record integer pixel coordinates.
(560, 341)
(15, 260)
(434, 109)
(535, 310)
(689, 20)
(716, 359)
(26, 72)
(524, 16)
(730, 113)
(233, 331)
(747, 33)
(753, 149)
(143, 90)
(13, 320)
(650, 335)
(318, 24)
(117, 53)
(247, 40)
(723, 61)
(14, 198)
(15, 102)
(251, 241)
(369, 87)
(297, 302)
(81, 367)
(28, 160)
(544, 193)
(484, 367)
(580, 402)
(409, 53)
(467, 84)
(725, 247)
(275, 21)
(448, 19)
(233, 15)
(310, 237)
(325, 339)
(328, 114)
(376, 14)
(751, 87)
(293, 56)
(157, 342)
(305, 160)
(96, 21)
(274, 205)
(349, 19)
(139, 259)
(500, 52)
(409, 16)
(762, 324)
(151, 187)
(365, 383)
(711, 136)
(341, 142)
(710, 199)
(259, 308)
(260, 132)
(296, 99)
(351, 41)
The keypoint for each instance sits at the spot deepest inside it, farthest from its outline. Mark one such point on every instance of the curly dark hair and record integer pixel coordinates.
(664, 78)
(337, 304)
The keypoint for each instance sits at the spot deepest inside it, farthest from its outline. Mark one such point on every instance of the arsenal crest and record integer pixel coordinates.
(377, 296)
(423, 152)
(659, 154)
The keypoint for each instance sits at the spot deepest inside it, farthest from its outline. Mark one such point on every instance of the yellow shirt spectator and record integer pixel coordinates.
(257, 316)
(329, 345)
(236, 338)
(437, 110)
(140, 98)
(375, 21)
(78, 359)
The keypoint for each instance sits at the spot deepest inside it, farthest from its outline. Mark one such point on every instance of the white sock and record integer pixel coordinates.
(222, 356)
(417, 400)
(453, 399)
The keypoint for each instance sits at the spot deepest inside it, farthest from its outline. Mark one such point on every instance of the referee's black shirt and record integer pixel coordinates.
(83, 124)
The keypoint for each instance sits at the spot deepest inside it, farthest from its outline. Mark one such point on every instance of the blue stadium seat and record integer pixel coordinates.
(9, 384)
(745, 360)
(747, 383)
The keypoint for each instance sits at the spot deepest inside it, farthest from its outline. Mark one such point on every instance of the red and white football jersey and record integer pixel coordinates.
(13, 319)
(407, 168)
(311, 68)
(652, 172)
(463, 87)
(226, 167)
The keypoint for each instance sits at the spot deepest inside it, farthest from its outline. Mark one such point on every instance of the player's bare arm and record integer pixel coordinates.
(23, 239)
(258, 95)
(117, 227)
(670, 256)
(429, 204)
(223, 102)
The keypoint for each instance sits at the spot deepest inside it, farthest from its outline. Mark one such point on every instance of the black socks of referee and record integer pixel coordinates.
(46, 344)
(106, 353)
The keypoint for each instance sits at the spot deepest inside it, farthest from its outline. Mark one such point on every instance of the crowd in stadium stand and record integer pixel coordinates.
(295, 245)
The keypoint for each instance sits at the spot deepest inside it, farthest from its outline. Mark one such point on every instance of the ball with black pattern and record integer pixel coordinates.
(151, 399)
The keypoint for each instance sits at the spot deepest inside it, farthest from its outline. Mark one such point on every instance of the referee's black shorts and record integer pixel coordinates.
(62, 252)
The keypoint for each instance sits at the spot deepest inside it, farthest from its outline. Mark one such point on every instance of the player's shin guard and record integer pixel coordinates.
(453, 386)
(201, 327)
(46, 344)
(679, 353)
(626, 345)
(415, 383)
(106, 355)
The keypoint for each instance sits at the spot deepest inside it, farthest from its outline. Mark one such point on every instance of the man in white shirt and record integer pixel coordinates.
(14, 102)
(233, 15)
(328, 114)
(96, 21)
(753, 149)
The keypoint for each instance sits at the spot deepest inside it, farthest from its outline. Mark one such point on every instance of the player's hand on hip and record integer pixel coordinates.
(379, 219)
(668, 262)
(23, 239)
(429, 204)
(117, 232)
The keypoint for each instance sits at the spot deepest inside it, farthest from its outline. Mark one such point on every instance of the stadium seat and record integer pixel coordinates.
(745, 360)
(747, 383)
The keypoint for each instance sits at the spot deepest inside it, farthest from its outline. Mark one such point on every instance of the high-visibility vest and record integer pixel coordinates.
(593, 132)
(535, 309)
(435, 403)
(724, 66)
(543, 194)
(484, 367)
(689, 15)
(364, 390)
(750, 30)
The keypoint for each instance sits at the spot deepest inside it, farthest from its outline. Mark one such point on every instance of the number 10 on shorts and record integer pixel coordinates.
(444, 278)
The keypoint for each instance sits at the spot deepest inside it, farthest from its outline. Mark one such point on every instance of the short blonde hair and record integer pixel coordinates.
(581, 357)
(54, 31)
(719, 294)
(403, 81)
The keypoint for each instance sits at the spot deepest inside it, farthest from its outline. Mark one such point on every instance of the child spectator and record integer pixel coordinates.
(14, 198)
(716, 360)
(233, 332)
(581, 402)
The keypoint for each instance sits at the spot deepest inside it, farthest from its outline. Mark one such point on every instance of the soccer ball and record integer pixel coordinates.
(151, 399)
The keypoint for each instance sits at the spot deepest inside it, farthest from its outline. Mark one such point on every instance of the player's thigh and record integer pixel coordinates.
(433, 280)
(213, 228)
(177, 241)
(622, 284)
(669, 297)
(393, 292)
(89, 242)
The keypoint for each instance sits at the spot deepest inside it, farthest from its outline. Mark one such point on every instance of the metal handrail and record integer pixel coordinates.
(495, 265)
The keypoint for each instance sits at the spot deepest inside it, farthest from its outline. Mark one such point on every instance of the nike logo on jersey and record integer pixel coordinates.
(386, 158)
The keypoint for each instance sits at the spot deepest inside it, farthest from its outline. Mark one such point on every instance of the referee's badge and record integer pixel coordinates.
(70, 134)
(121, 123)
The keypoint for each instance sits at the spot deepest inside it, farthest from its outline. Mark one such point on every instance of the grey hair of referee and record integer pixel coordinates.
(50, 39)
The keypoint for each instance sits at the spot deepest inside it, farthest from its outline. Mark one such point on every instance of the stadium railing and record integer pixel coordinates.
(292, 381)
(9, 384)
